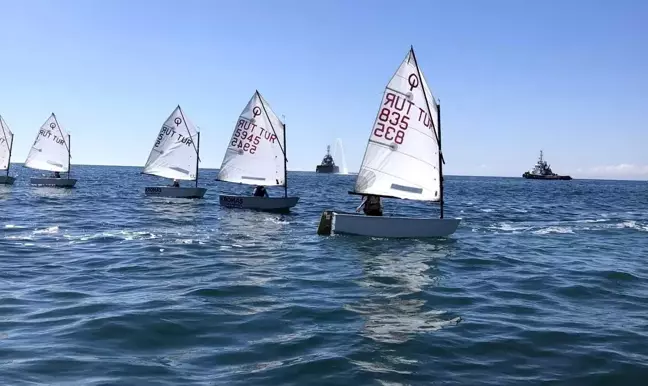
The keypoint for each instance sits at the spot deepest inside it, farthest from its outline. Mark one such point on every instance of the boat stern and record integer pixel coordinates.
(325, 227)
(7, 180)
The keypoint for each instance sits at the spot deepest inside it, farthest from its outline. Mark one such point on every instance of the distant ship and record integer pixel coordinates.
(542, 171)
(327, 165)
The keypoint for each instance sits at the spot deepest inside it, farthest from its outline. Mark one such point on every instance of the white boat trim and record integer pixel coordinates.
(179, 192)
(56, 182)
(258, 203)
(385, 226)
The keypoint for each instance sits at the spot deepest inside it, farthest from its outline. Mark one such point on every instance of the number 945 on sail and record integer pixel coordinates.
(244, 140)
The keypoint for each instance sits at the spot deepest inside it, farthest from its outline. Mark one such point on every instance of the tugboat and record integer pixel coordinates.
(542, 171)
(327, 165)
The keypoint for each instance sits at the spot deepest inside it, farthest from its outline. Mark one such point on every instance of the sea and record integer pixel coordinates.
(545, 282)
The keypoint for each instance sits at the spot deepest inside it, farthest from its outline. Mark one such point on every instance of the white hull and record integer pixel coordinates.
(168, 191)
(7, 180)
(385, 226)
(57, 182)
(260, 203)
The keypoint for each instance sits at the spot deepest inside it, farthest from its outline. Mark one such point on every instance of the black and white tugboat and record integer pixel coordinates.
(542, 171)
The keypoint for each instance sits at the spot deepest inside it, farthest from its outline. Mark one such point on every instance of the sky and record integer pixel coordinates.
(569, 77)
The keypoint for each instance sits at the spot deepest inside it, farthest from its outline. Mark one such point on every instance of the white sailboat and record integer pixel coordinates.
(256, 155)
(6, 145)
(175, 155)
(51, 152)
(403, 160)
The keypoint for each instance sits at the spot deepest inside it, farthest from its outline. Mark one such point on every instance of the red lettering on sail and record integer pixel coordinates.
(247, 136)
(393, 118)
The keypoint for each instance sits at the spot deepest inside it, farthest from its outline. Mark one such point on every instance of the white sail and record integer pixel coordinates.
(50, 150)
(255, 154)
(6, 141)
(175, 151)
(402, 156)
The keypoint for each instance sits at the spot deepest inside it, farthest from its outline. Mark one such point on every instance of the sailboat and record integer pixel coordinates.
(51, 151)
(256, 155)
(6, 144)
(403, 160)
(175, 154)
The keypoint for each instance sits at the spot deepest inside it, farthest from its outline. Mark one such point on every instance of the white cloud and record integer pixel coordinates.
(616, 171)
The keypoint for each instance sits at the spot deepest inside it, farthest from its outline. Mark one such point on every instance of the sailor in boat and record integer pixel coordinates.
(260, 191)
(175, 184)
(371, 206)
(57, 175)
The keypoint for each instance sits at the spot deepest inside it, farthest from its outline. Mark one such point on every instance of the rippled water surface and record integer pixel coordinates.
(545, 281)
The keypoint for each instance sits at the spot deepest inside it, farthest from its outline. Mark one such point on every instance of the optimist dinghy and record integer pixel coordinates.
(256, 155)
(175, 155)
(6, 145)
(403, 160)
(51, 152)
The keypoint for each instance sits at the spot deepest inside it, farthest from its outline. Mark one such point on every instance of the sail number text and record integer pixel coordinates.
(48, 134)
(394, 118)
(167, 131)
(247, 139)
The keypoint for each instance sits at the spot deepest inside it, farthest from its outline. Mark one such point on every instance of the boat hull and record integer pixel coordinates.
(258, 203)
(530, 176)
(7, 180)
(169, 191)
(385, 226)
(55, 182)
(327, 169)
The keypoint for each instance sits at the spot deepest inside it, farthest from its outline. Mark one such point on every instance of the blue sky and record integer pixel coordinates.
(569, 77)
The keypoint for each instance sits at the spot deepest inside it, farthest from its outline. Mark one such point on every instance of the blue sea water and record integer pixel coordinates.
(545, 282)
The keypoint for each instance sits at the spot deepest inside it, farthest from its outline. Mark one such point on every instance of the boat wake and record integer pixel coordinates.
(564, 227)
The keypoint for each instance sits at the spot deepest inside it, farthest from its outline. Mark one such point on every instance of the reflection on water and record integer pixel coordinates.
(5, 191)
(395, 310)
(252, 227)
(169, 208)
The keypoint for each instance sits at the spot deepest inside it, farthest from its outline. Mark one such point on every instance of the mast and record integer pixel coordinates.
(434, 130)
(10, 148)
(285, 161)
(440, 161)
(69, 156)
(195, 145)
(67, 145)
(4, 134)
(198, 157)
(283, 148)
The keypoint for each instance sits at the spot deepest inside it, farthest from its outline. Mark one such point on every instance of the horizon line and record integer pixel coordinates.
(354, 173)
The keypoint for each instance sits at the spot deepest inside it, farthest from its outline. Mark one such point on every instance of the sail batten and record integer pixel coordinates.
(50, 150)
(6, 141)
(174, 153)
(402, 155)
(255, 154)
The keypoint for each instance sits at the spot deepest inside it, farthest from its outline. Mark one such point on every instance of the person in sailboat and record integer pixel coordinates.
(260, 191)
(371, 206)
(57, 175)
(175, 184)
